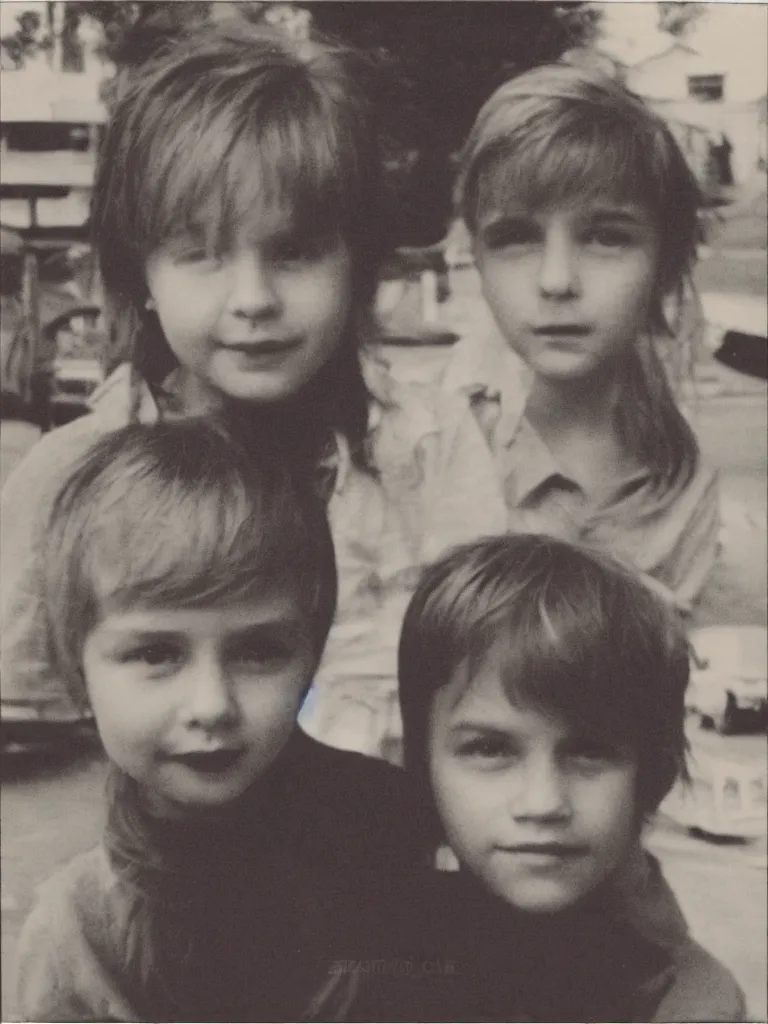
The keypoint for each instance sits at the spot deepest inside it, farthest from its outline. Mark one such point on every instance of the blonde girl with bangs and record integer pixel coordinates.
(190, 583)
(240, 219)
(583, 216)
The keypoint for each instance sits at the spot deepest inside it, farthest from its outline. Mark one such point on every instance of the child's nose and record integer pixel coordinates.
(210, 702)
(559, 268)
(540, 792)
(253, 293)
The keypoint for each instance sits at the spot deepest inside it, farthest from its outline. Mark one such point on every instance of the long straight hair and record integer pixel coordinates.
(232, 125)
(561, 134)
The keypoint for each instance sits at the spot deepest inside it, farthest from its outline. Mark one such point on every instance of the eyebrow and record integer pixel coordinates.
(287, 627)
(283, 624)
(140, 635)
(460, 728)
(509, 217)
(622, 214)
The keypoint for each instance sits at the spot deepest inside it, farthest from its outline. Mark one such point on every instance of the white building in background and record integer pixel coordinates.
(713, 84)
(50, 127)
(691, 88)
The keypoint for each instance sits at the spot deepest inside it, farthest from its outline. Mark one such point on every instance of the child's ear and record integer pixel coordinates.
(446, 859)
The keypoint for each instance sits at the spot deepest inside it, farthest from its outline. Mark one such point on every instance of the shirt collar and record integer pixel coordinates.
(121, 397)
(535, 465)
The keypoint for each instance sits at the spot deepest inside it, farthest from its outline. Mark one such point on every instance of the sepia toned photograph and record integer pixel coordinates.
(383, 511)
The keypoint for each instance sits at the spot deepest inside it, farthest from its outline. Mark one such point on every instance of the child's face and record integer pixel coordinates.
(569, 287)
(195, 703)
(257, 323)
(539, 813)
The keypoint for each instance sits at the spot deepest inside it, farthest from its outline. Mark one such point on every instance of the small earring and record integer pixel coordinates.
(150, 304)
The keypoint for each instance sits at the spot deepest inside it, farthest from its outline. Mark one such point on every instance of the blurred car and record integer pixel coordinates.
(51, 339)
(737, 333)
(729, 678)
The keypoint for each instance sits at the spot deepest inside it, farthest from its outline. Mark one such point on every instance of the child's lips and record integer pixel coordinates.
(262, 346)
(545, 853)
(562, 331)
(209, 761)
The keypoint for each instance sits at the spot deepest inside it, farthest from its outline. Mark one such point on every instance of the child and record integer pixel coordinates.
(190, 585)
(583, 216)
(239, 216)
(541, 687)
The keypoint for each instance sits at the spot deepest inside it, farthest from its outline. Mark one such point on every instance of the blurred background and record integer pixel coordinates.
(703, 67)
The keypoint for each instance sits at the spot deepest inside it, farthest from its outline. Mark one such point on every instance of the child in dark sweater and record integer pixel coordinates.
(190, 585)
(541, 686)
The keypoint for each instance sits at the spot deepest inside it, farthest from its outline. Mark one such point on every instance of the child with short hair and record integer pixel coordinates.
(583, 217)
(190, 585)
(542, 693)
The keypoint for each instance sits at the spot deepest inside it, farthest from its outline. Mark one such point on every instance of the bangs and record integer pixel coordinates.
(550, 662)
(587, 154)
(180, 513)
(568, 631)
(565, 640)
(251, 166)
(157, 545)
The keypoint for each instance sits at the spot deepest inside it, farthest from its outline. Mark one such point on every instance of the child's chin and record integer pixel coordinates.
(543, 901)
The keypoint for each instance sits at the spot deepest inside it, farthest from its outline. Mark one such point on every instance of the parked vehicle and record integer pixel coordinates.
(729, 678)
(50, 326)
(738, 331)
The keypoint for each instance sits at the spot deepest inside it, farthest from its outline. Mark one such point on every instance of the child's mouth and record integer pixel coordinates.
(263, 348)
(562, 331)
(544, 853)
(211, 762)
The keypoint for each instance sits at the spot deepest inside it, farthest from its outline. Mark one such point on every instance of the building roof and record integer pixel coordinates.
(676, 47)
(696, 63)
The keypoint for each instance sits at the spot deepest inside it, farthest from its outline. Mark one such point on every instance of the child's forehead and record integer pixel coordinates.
(574, 176)
(261, 223)
(511, 691)
(477, 700)
(222, 218)
(255, 193)
(615, 207)
(275, 605)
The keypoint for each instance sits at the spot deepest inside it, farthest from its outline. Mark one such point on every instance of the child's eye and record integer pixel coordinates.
(197, 256)
(610, 237)
(511, 232)
(298, 250)
(259, 651)
(593, 752)
(156, 654)
(489, 748)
